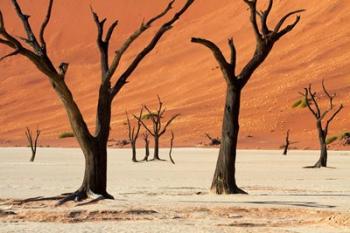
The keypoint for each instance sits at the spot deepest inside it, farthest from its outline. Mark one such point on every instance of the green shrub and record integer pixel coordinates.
(331, 139)
(301, 103)
(297, 103)
(148, 116)
(66, 135)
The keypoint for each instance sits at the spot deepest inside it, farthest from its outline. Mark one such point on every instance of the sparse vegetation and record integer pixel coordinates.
(66, 135)
(331, 139)
(158, 129)
(301, 103)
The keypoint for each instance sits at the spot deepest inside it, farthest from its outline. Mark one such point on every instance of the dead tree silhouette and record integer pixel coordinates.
(224, 180)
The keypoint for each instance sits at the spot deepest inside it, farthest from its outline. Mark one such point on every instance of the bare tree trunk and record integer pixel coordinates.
(146, 147)
(171, 147)
(156, 148)
(224, 181)
(286, 145)
(133, 146)
(94, 148)
(322, 162)
(95, 176)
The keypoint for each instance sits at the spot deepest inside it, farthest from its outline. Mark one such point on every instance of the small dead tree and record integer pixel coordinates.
(146, 139)
(213, 141)
(171, 147)
(287, 143)
(157, 130)
(224, 180)
(32, 141)
(93, 144)
(133, 134)
(312, 102)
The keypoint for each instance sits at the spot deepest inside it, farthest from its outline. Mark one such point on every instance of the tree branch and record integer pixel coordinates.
(252, 7)
(333, 116)
(313, 98)
(144, 125)
(224, 65)
(233, 55)
(306, 95)
(264, 15)
(102, 45)
(44, 25)
(168, 123)
(277, 33)
(25, 21)
(144, 26)
(111, 30)
(164, 28)
(17, 51)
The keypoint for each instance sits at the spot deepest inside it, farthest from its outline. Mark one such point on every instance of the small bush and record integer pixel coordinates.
(301, 103)
(66, 135)
(148, 116)
(331, 139)
(297, 103)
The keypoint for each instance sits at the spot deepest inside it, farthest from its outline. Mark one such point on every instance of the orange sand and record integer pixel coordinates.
(185, 75)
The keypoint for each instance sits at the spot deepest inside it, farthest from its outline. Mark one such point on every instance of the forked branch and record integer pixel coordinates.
(161, 31)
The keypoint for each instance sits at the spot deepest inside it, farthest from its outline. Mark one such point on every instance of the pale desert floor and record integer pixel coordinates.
(161, 197)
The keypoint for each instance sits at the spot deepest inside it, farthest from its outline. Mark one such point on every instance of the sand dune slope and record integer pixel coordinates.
(185, 75)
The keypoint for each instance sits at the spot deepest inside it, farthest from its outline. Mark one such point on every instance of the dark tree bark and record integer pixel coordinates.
(146, 139)
(32, 141)
(287, 143)
(134, 134)
(224, 181)
(158, 130)
(311, 100)
(171, 147)
(94, 146)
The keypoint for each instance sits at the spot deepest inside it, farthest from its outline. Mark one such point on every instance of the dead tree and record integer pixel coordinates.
(146, 139)
(93, 145)
(213, 141)
(32, 141)
(133, 134)
(171, 147)
(287, 143)
(224, 181)
(322, 124)
(157, 130)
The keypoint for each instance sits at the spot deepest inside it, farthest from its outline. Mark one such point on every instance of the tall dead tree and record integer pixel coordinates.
(133, 133)
(93, 145)
(32, 141)
(312, 104)
(146, 140)
(224, 181)
(157, 130)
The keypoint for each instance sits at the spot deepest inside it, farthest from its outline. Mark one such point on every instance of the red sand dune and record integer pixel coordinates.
(185, 75)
